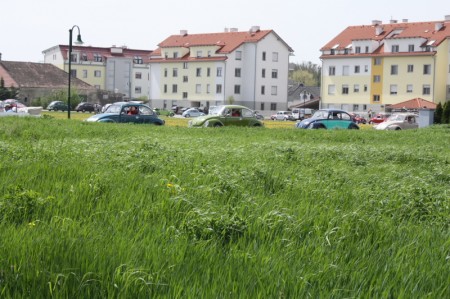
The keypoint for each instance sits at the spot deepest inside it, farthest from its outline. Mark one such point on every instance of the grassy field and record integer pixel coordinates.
(91, 210)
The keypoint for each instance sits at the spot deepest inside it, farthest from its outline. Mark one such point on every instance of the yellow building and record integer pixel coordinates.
(371, 67)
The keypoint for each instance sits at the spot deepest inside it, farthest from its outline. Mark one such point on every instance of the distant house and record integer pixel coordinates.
(115, 70)
(301, 96)
(249, 68)
(35, 80)
(370, 67)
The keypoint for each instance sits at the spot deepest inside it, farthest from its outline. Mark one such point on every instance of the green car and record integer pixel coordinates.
(227, 115)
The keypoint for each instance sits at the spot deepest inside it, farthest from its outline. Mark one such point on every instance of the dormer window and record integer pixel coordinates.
(175, 54)
(199, 54)
(138, 60)
(98, 57)
(395, 48)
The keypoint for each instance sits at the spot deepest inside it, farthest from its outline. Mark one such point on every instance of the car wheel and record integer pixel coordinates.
(171, 114)
(353, 127)
(398, 129)
(187, 115)
(217, 125)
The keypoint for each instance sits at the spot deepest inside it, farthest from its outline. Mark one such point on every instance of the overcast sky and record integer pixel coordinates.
(27, 27)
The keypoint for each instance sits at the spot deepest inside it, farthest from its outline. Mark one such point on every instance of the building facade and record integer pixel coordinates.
(371, 67)
(118, 70)
(249, 68)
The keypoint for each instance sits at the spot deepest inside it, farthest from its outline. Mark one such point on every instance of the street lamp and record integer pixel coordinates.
(79, 41)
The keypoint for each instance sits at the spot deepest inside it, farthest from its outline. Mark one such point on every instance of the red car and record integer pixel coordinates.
(379, 118)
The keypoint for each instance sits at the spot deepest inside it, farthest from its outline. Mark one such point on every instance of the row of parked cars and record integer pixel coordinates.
(81, 107)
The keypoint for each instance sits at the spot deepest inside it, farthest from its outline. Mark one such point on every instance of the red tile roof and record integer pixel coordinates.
(226, 41)
(416, 103)
(425, 30)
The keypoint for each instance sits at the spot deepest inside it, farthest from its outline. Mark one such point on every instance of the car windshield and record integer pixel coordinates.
(216, 110)
(321, 114)
(113, 109)
(396, 117)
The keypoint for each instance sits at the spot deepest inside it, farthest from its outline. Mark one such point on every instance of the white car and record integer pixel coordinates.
(192, 112)
(399, 121)
(282, 115)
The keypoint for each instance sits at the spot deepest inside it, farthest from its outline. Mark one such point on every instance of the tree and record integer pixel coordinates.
(446, 113)
(438, 114)
(307, 73)
(7, 93)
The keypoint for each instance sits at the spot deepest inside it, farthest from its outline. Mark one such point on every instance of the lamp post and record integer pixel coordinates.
(79, 41)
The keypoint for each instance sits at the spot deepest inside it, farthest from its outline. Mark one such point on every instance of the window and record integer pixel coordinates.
(237, 72)
(356, 88)
(237, 89)
(262, 107)
(332, 71)
(426, 90)
(174, 88)
(175, 72)
(185, 95)
(357, 69)
(208, 88)
(238, 55)
(357, 50)
(394, 69)
(395, 49)
(138, 75)
(366, 68)
(410, 68)
(185, 79)
(427, 69)
(264, 56)
(273, 106)
(137, 89)
(185, 65)
(198, 72)
(377, 61)
(331, 89)
(199, 54)
(219, 72)
(198, 88)
(274, 90)
(377, 78)
(175, 54)
(345, 89)
(367, 49)
(263, 73)
(73, 57)
(393, 89)
(355, 107)
(209, 53)
(263, 89)
(219, 88)
(409, 88)
(85, 73)
(376, 98)
(410, 48)
(138, 60)
(165, 72)
(345, 70)
(208, 72)
(275, 56)
(97, 74)
(73, 73)
(274, 74)
(98, 57)
(365, 87)
(165, 88)
(84, 57)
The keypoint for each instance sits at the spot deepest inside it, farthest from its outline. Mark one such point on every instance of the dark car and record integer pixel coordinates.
(227, 115)
(126, 112)
(328, 119)
(84, 106)
(57, 106)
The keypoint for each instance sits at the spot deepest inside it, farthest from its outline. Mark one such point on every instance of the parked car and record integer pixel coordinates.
(399, 121)
(259, 115)
(84, 106)
(127, 112)
(328, 119)
(192, 112)
(358, 118)
(57, 105)
(379, 118)
(282, 115)
(227, 115)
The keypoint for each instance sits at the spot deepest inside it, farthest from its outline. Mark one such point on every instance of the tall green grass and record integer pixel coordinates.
(127, 211)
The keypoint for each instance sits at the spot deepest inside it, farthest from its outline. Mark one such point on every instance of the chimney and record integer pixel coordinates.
(438, 26)
(405, 20)
(254, 29)
(226, 29)
(233, 30)
(0, 56)
(376, 22)
(393, 21)
(378, 30)
(447, 17)
(183, 32)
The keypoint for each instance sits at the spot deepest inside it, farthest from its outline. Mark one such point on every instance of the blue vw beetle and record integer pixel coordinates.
(328, 119)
